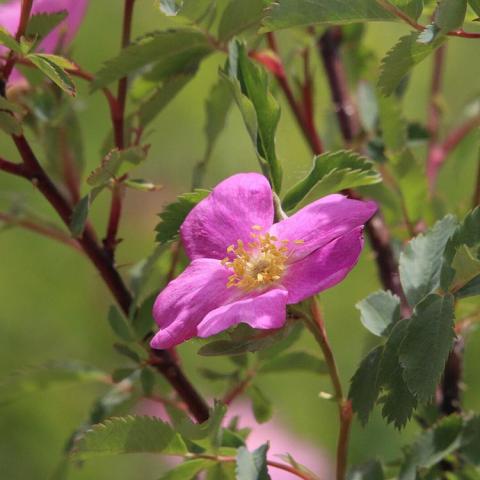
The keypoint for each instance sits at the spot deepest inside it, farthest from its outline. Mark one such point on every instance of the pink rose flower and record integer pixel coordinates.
(247, 269)
(63, 34)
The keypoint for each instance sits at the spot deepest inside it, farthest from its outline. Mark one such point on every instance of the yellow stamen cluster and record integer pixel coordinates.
(257, 264)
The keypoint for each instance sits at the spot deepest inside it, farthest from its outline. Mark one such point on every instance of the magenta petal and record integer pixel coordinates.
(264, 311)
(227, 215)
(185, 301)
(324, 268)
(321, 222)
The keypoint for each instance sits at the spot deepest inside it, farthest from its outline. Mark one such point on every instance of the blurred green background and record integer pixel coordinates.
(53, 305)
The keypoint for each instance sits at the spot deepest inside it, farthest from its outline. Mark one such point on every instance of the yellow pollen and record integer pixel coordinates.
(259, 263)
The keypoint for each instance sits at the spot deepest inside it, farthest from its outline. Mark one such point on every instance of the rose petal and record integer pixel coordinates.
(186, 300)
(227, 215)
(264, 311)
(321, 222)
(324, 268)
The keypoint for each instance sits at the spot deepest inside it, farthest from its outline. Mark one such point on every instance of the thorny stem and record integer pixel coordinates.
(162, 360)
(317, 326)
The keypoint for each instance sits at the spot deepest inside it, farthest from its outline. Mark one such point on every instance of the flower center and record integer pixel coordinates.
(257, 264)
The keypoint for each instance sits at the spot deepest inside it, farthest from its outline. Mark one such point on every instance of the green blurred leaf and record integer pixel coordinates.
(131, 434)
(170, 7)
(398, 402)
(147, 380)
(142, 321)
(287, 362)
(421, 261)
(187, 470)
(260, 110)
(252, 466)
(450, 14)
(168, 50)
(116, 164)
(35, 379)
(379, 311)
(471, 440)
(9, 41)
(394, 127)
(466, 267)
(54, 67)
(364, 385)
(10, 106)
(175, 213)
(119, 325)
(371, 470)
(332, 172)
(295, 13)
(398, 62)
(475, 5)
(221, 471)
(9, 124)
(261, 404)
(470, 289)
(81, 210)
(432, 446)
(121, 374)
(41, 24)
(424, 350)
(126, 351)
(240, 15)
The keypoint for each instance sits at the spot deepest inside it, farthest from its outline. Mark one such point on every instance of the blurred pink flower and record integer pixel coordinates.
(61, 36)
(281, 440)
(245, 268)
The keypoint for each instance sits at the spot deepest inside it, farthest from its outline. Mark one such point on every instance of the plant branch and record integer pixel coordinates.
(16, 169)
(160, 359)
(239, 388)
(317, 327)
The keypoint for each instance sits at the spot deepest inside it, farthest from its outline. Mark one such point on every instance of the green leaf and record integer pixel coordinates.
(168, 50)
(131, 434)
(260, 110)
(10, 106)
(170, 7)
(450, 14)
(421, 261)
(239, 16)
(466, 266)
(175, 213)
(471, 289)
(432, 446)
(217, 106)
(364, 387)
(9, 124)
(400, 60)
(147, 380)
(371, 470)
(54, 67)
(127, 352)
(379, 311)
(475, 6)
(116, 164)
(332, 172)
(295, 13)
(471, 440)
(394, 127)
(119, 325)
(53, 374)
(294, 361)
(187, 470)
(9, 41)
(81, 210)
(398, 402)
(142, 321)
(41, 24)
(425, 349)
(261, 404)
(252, 466)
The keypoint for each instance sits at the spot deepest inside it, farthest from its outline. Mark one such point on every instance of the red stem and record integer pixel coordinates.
(16, 169)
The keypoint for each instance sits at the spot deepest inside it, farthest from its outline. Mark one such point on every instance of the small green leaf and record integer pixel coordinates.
(175, 213)
(249, 84)
(394, 127)
(119, 325)
(36, 379)
(466, 267)
(365, 387)
(252, 466)
(294, 361)
(432, 446)
(126, 352)
(400, 60)
(187, 470)
(41, 24)
(142, 185)
(147, 380)
(9, 41)
(379, 311)
(424, 350)
(475, 6)
(132, 434)
(116, 164)
(10, 106)
(54, 67)
(9, 124)
(121, 374)
(471, 440)
(261, 404)
(142, 321)
(371, 470)
(332, 172)
(421, 261)
(170, 7)
(450, 14)
(471, 289)
(239, 16)
(81, 210)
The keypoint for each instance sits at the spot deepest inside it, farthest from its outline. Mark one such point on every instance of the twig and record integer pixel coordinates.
(15, 169)
(317, 326)
(239, 388)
